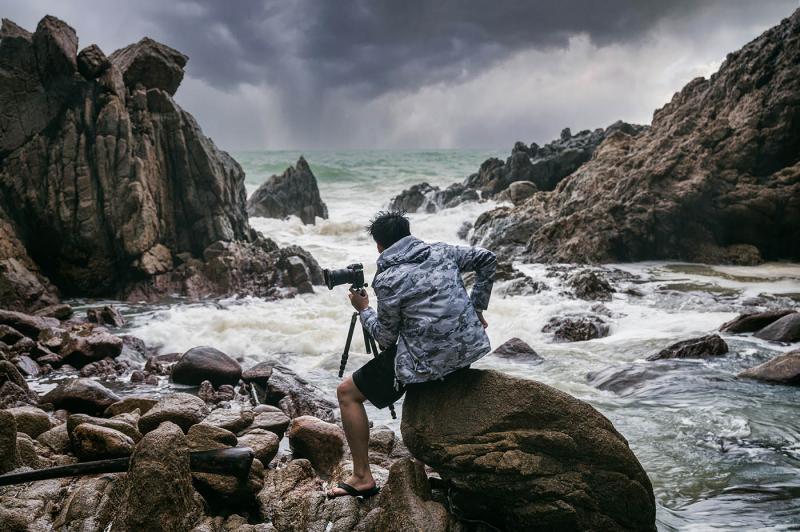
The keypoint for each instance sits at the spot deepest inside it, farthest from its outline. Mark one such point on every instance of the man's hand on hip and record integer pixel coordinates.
(482, 319)
(359, 299)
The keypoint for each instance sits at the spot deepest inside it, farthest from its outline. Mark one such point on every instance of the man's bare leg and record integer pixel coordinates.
(356, 430)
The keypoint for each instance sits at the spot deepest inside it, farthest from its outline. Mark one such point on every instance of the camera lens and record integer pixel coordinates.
(336, 277)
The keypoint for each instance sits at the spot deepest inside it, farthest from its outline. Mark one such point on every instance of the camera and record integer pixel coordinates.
(353, 274)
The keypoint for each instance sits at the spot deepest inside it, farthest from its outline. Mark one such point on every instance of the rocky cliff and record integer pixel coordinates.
(108, 187)
(294, 192)
(716, 178)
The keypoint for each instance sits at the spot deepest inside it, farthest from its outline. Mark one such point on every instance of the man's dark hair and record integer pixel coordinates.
(387, 227)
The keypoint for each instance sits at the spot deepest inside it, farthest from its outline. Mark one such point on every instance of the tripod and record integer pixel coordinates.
(369, 343)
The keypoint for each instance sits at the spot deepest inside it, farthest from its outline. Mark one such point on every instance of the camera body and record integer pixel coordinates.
(352, 274)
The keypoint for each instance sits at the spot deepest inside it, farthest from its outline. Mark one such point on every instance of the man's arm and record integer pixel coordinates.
(383, 325)
(484, 263)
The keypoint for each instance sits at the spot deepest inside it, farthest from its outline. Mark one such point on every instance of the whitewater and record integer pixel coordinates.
(721, 452)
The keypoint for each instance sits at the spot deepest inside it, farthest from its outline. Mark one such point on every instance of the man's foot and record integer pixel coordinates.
(355, 487)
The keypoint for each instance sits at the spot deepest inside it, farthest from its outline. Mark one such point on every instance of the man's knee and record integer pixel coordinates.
(347, 391)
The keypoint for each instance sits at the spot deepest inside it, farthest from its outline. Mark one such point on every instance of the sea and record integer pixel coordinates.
(722, 453)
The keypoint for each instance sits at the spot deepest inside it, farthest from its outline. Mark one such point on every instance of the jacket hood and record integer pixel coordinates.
(406, 250)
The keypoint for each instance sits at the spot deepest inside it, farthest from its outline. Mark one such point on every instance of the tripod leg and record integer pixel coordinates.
(346, 351)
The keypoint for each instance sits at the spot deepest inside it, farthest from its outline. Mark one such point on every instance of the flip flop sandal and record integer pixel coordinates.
(352, 492)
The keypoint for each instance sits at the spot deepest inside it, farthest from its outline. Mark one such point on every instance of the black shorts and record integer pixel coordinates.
(376, 380)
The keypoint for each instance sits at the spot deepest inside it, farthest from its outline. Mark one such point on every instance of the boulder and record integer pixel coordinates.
(154, 65)
(260, 373)
(522, 455)
(273, 420)
(203, 437)
(785, 329)
(9, 335)
(284, 500)
(56, 439)
(182, 409)
(206, 363)
(705, 346)
(89, 344)
(263, 442)
(129, 404)
(93, 442)
(590, 285)
(709, 181)
(80, 395)
(106, 315)
(576, 328)
(27, 324)
(92, 62)
(9, 458)
(320, 442)
(297, 397)
(59, 311)
(28, 367)
(230, 419)
(520, 191)
(754, 321)
(783, 369)
(426, 198)
(294, 192)
(158, 492)
(128, 427)
(31, 420)
(516, 348)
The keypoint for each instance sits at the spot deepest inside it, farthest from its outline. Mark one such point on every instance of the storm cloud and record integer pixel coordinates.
(361, 73)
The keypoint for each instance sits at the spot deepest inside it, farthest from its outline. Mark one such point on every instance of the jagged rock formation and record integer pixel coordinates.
(108, 187)
(427, 198)
(524, 456)
(294, 192)
(715, 179)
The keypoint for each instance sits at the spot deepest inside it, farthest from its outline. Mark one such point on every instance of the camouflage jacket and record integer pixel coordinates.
(424, 308)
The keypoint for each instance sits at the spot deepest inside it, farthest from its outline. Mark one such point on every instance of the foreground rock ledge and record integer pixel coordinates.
(525, 456)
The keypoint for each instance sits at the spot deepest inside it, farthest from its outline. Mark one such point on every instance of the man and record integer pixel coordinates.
(426, 325)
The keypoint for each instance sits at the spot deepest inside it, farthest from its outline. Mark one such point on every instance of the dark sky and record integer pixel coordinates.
(413, 74)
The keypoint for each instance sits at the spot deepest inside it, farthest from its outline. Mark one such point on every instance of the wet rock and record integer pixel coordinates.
(520, 191)
(80, 395)
(202, 437)
(224, 492)
(93, 442)
(128, 427)
(12, 395)
(273, 420)
(182, 409)
(705, 346)
(263, 442)
(297, 397)
(59, 311)
(294, 192)
(783, 369)
(320, 442)
(464, 230)
(161, 364)
(753, 321)
(106, 315)
(158, 492)
(516, 348)
(56, 439)
(230, 419)
(129, 404)
(627, 379)
(9, 335)
(284, 499)
(31, 420)
(405, 502)
(576, 328)
(206, 363)
(88, 344)
(9, 459)
(28, 325)
(590, 285)
(522, 455)
(423, 197)
(259, 373)
(28, 366)
(785, 329)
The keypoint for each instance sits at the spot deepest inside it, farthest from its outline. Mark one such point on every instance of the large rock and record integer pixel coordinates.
(263, 442)
(206, 363)
(516, 348)
(92, 442)
(89, 343)
(109, 188)
(715, 179)
(9, 458)
(182, 409)
(31, 420)
(273, 420)
(753, 321)
(705, 346)
(158, 493)
(80, 395)
(297, 397)
(525, 456)
(29, 325)
(783, 369)
(320, 442)
(785, 329)
(576, 328)
(154, 65)
(128, 427)
(294, 192)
